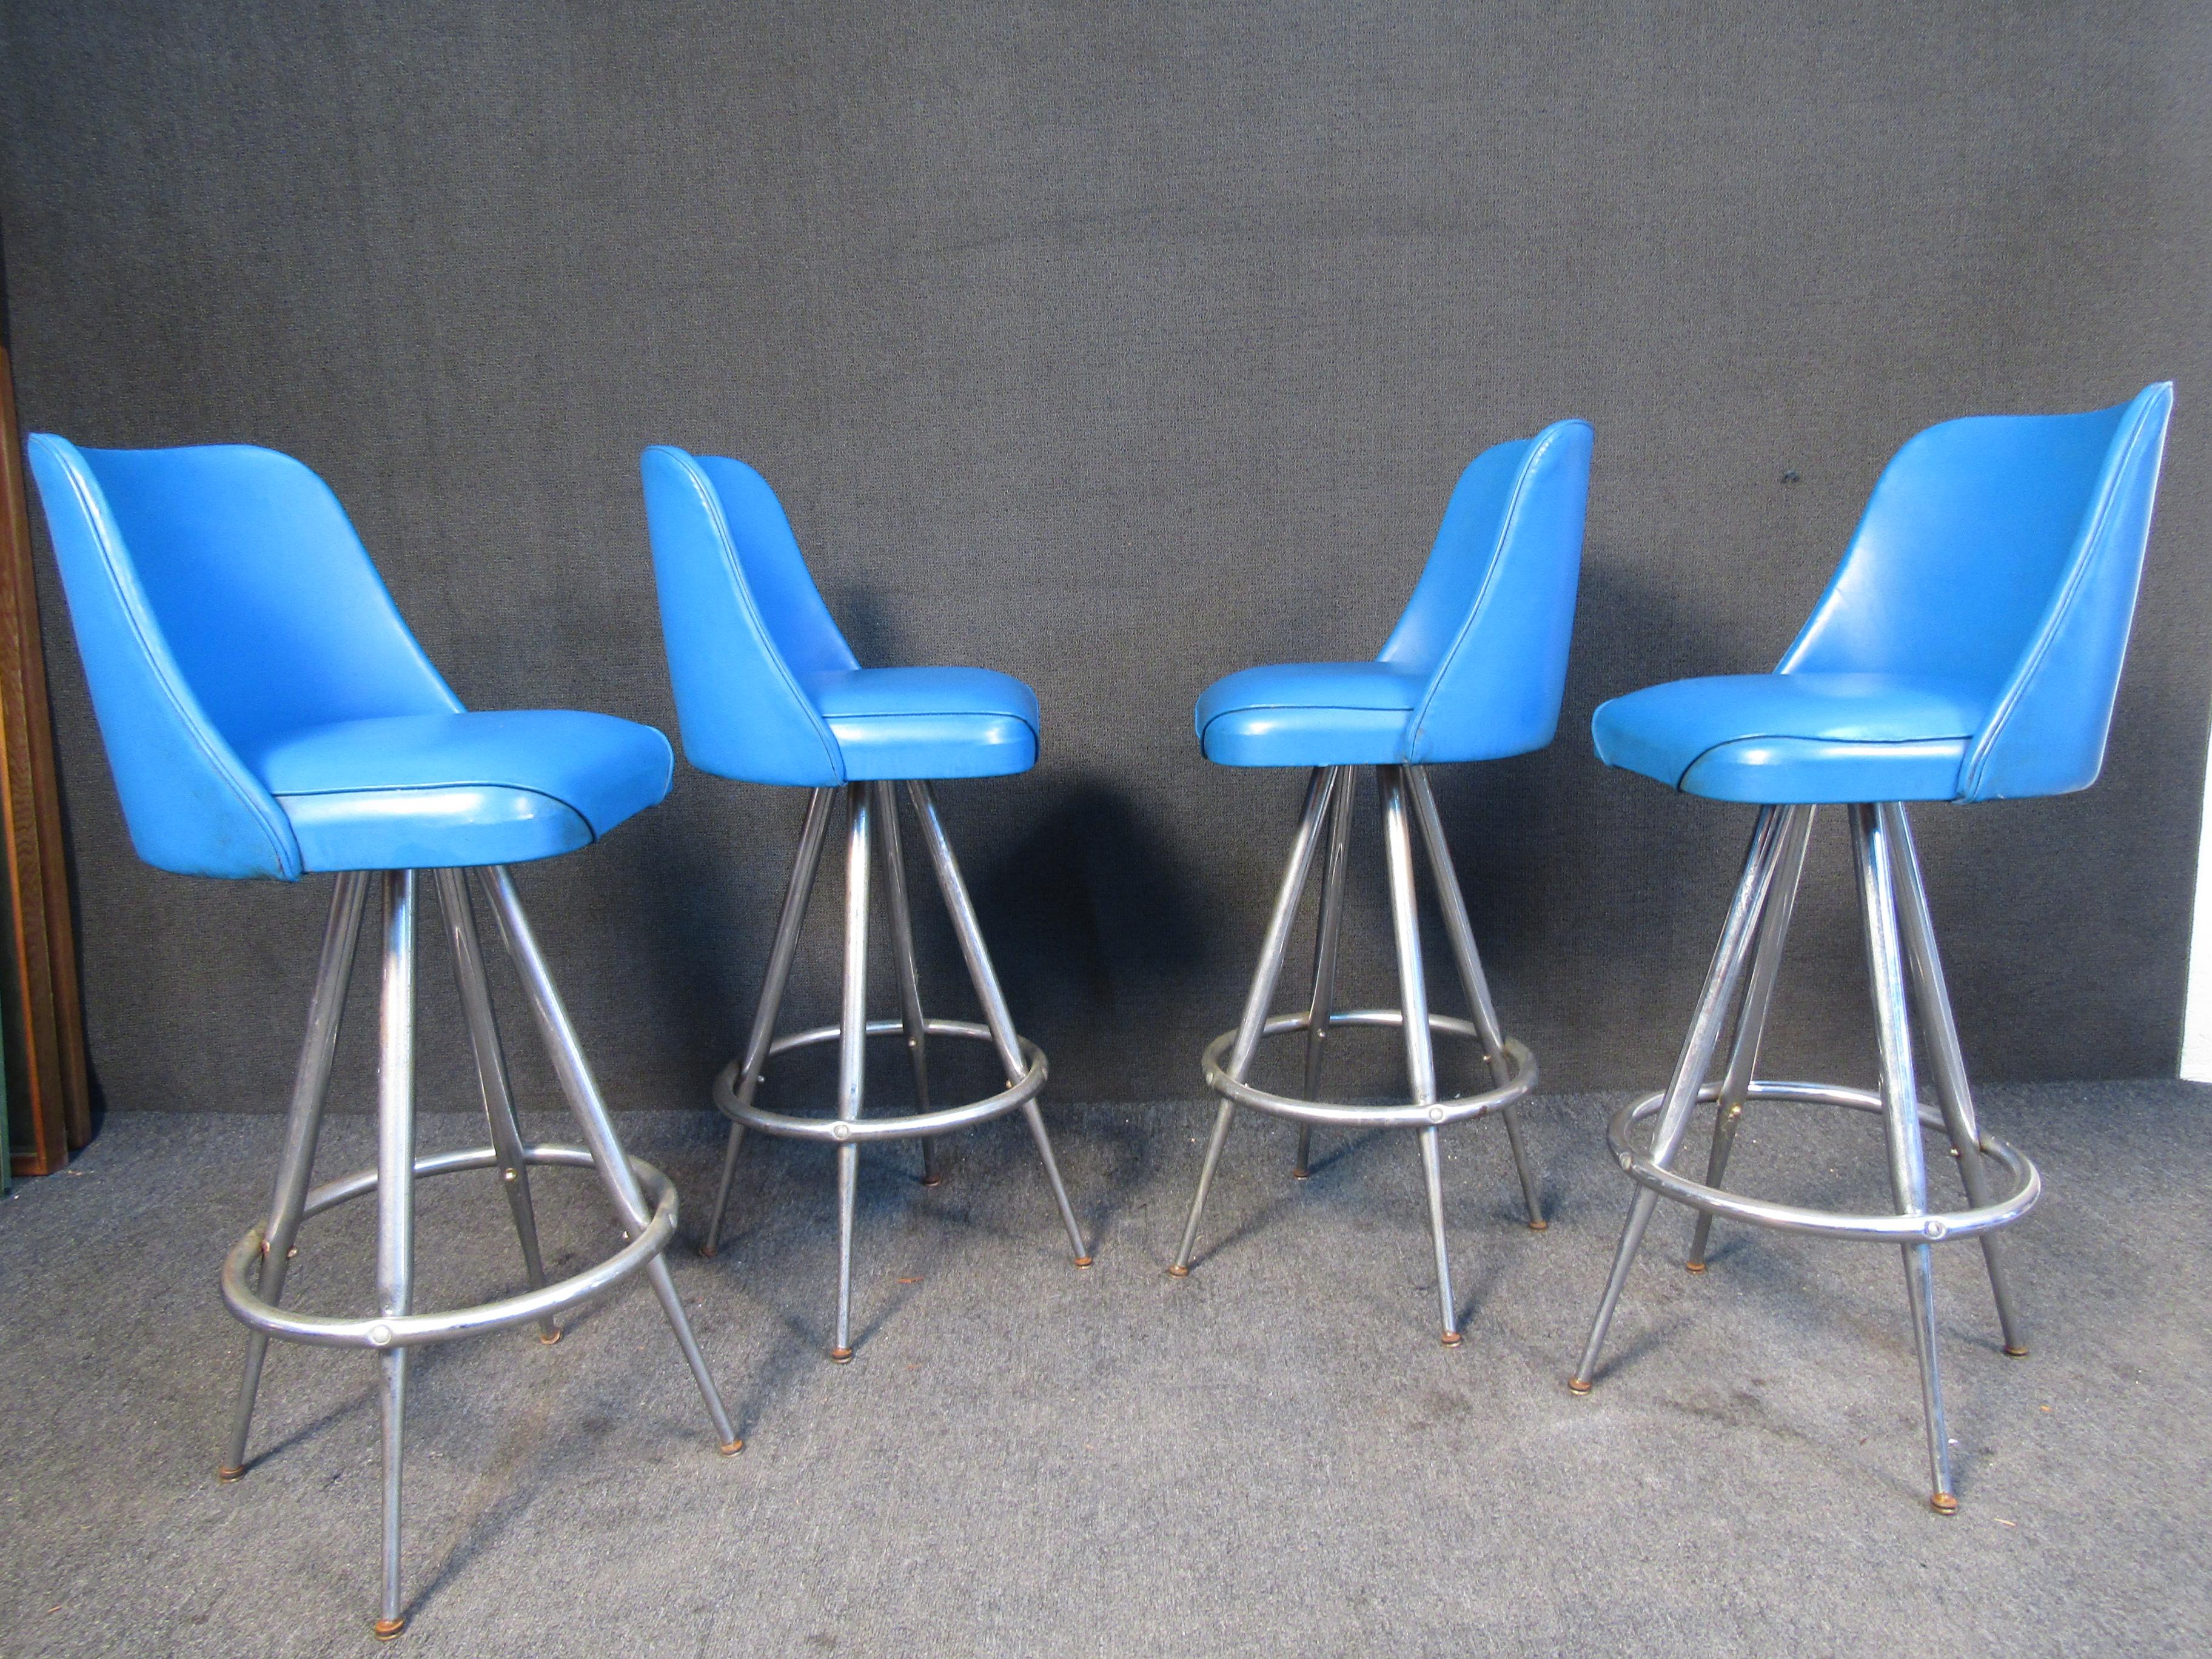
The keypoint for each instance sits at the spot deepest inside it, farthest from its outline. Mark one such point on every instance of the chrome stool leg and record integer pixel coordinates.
(1750, 1020)
(1933, 1000)
(309, 1089)
(787, 927)
(916, 1023)
(251, 1291)
(872, 830)
(491, 1077)
(996, 1018)
(1405, 797)
(1903, 971)
(614, 1166)
(1475, 982)
(1874, 852)
(1253, 1024)
(852, 1053)
(395, 1206)
(1714, 1001)
(1414, 1000)
(1328, 928)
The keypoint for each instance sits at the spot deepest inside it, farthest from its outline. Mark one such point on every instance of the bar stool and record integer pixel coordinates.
(768, 691)
(1968, 648)
(1474, 670)
(267, 712)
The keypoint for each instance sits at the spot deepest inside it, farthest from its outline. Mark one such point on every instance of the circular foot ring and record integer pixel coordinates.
(1410, 1114)
(1796, 1218)
(387, 1331)
(843, 1132)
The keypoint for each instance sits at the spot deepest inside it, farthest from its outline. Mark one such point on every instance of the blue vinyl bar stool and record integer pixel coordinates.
(1474, 670)
(768, 691)
(267, 712)
(1968, 648)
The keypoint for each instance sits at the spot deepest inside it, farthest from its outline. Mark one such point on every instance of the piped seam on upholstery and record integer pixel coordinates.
(1521, 486)
(1706, 753)
(713, 503)
(1976, 770)
(568, 806)
(1316, 707)
(225, 766)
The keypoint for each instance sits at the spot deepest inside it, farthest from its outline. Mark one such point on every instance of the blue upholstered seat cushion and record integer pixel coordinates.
(438, 791)
(927, 722)
(1309, 714)
(1809, 738)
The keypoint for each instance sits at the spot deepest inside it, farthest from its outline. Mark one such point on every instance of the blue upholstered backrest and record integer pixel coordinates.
(2003, 553)
(742, 622)
(1490, 619)
(220, 599)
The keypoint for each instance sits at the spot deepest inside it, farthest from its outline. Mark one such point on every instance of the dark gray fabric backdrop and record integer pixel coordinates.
(1120, 346)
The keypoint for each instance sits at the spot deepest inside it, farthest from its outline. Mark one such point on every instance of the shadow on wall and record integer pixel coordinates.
(1093, 918)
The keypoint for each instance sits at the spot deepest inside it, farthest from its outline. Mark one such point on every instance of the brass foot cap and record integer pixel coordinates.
(1179, 1271)
(706, 1253)
(932, 1180)
(840, 1356)
(1083, 1261)
(732, 1448)
(1576, 1385)
(1943, 1504)
(1301, 1175)
(2016, 1354)
(1694, 1266)
(548, 1338)
(388, 1628)
(230, 1473)
(1538, 1224)
(1453, 1339)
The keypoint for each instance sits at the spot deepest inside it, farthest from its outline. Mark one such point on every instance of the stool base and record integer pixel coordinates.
(644, 1199)
(1405, 793)
(872, 833)
(1901, 953)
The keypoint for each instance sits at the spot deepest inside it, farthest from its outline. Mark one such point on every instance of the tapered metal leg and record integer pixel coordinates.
(1908, 1168)
(1718, 995)
(852, 1053)
(787, 927)
(1254, 1022)
(1461, 931)
(985, 978)
(491, 1076)
(1327, 931)
(1413, 999)
(1933, 1000)
(917, 1025)
(310, 1088)
(1750, 1020)
(582, 1091)
(395, 1204)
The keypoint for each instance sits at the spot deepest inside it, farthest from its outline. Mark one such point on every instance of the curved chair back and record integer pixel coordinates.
(2003, 553)
(744, 622)
(1490, 619)
(220, 598)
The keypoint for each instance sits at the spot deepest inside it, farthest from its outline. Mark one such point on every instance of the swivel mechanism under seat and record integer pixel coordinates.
(1474, 670)
(1968, 649)
(266, 713)
(768, 691)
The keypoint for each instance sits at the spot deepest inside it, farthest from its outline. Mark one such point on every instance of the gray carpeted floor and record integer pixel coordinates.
(1273, 1457)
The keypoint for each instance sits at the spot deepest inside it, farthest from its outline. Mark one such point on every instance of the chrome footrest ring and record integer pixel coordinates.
(386, 1331)
(843, 1132)
(1409, 1114)
(2027, 1181)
